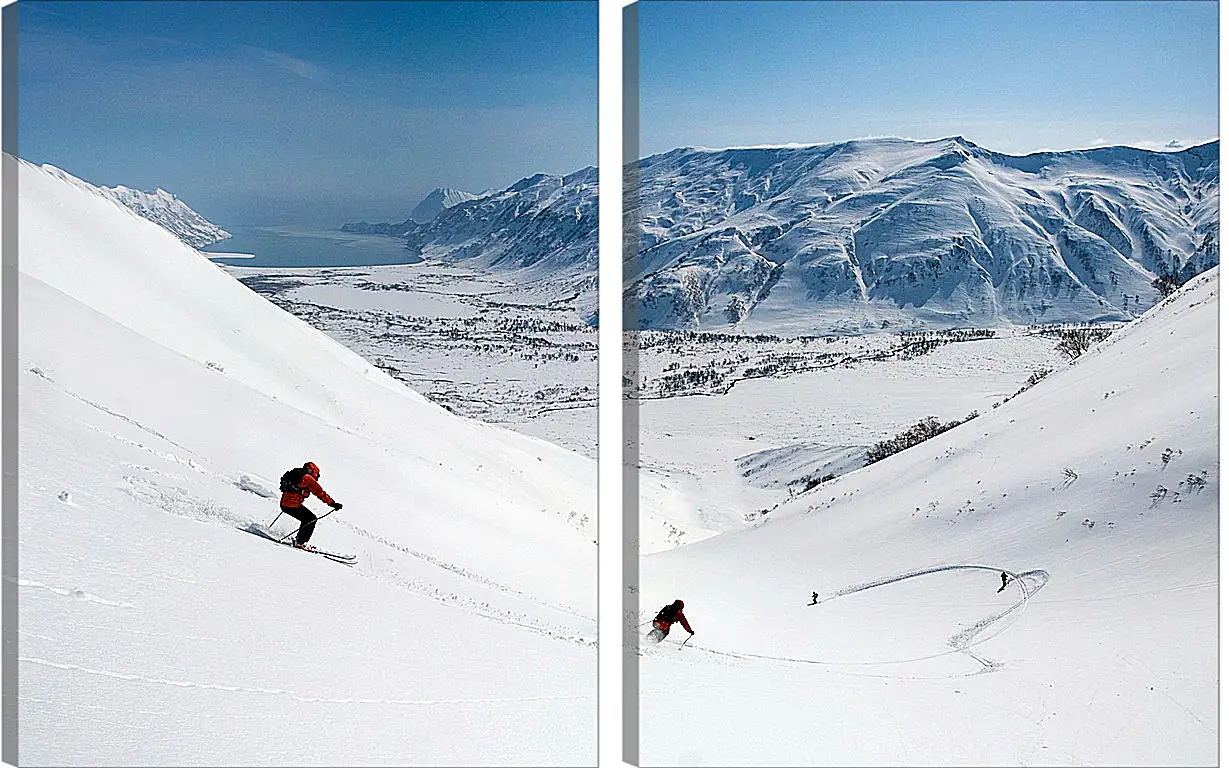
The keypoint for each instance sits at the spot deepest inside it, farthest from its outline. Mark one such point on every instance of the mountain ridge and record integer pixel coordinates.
(161, 207)
(542, 229)
(437, 200)
(862, 235)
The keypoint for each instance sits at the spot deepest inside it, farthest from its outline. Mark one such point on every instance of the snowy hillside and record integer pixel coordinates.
(1096, 490)
(876, 233)
(439, 199)
(540, 231)
(159, 402)
(159, 206)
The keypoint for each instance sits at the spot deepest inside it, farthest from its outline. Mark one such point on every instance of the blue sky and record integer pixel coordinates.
(275, 112)
(1014, 77)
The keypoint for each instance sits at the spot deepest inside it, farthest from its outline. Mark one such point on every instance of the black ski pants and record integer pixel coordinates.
(306, 519)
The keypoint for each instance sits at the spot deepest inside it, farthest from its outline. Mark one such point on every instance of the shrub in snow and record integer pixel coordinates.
(923, 430)
(1074, 342)
(1167, 284)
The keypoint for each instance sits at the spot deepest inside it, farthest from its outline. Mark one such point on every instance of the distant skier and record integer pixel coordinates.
(814, 599)
(1004, 583)
(297, 486)
(665, 617)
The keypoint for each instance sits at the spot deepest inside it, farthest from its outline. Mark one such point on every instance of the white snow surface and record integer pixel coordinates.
(159, 401)
(1096, 489)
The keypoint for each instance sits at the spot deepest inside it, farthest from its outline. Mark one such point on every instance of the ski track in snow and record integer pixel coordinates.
(477, 607)
(1028, 582)
(458, 570)
(140, 578)
(963, 640)
(1160, 688)
(179, 502)
(483, 609)
(78, 594)
(292, 694)
(839, 667)
(36, 371)
(190, 462)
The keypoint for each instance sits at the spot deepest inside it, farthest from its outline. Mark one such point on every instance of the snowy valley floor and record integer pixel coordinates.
(492, 349)
(727, 454)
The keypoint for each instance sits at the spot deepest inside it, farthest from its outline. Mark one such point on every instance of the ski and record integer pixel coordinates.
(350, 561)
(336, 557)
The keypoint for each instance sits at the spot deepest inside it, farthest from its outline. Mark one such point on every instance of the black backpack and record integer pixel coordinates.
(291, 480)
(669, 613)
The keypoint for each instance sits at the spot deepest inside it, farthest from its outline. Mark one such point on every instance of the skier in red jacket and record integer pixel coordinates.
(666, 617)
(292, 503)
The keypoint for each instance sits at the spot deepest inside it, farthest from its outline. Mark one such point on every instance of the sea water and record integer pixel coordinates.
(306, 246)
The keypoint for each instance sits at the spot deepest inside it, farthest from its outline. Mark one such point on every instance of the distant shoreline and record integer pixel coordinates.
(213, 255)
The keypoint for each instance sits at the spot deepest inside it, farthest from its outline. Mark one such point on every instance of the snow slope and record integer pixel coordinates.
(159, 401)
(1097, 489)
(159, 206)
(866, 234)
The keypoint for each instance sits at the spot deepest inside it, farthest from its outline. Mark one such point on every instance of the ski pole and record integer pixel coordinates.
(279, 517)
(688, 640)
(296, 530)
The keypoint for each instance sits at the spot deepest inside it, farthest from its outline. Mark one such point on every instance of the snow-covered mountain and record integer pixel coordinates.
(159, 401)
(1096, 491)
(876, 233)
(541, 230)
(542, 223)
(439, 199)
(159, 206)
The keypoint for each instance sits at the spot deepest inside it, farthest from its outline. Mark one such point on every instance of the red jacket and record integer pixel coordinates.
(307, 487)
(664, 626)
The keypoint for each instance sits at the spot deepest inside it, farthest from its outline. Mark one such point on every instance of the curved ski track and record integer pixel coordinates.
(1028, 582)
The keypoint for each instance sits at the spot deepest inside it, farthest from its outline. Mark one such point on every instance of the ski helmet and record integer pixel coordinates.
(678, 604)
(312, 469)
